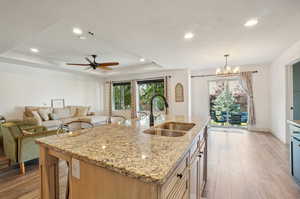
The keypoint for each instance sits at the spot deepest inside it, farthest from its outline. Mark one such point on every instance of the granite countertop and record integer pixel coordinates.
(125, 149)
(294, 122)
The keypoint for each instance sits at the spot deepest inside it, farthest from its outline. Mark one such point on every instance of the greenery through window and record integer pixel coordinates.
(121, 96)
(147, 89)
(228, 103)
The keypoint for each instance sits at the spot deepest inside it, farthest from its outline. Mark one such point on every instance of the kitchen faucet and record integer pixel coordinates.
(151, 109)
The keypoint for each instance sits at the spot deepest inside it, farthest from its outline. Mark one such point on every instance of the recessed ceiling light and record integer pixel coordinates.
(189, 35)
(77, 31)
(251, 22)
(34, 50)
(82, 37)
(142, 60)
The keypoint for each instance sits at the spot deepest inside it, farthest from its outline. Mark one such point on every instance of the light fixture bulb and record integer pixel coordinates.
(236, 70)
(228, 69)
(34, 50)
(251, 22)
(142, 60)
(188, 35)
(77, 31)
(218, 71)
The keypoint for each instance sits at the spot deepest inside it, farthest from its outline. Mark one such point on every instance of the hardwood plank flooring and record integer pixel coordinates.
(241, 165)
(247, 165)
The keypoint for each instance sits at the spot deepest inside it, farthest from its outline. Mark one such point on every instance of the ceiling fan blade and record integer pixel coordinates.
(78, 64)
(108, 64)
(104, 67)
(87, 59)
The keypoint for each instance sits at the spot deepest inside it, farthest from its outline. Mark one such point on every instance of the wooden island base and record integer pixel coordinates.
(93, 182)
(184, 178)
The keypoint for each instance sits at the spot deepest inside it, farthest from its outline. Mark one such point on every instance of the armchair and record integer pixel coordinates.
(19, 142)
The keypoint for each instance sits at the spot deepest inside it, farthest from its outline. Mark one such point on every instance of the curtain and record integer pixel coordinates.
(166, 90)
(133, 99)
(108, 99)
(246, 83)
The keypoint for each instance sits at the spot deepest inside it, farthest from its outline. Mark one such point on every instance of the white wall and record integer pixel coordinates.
(200, 97)
(177, 76)
(23, 85)
(278, 80)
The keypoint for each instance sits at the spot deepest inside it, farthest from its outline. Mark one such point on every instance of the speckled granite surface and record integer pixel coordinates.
(126, 149)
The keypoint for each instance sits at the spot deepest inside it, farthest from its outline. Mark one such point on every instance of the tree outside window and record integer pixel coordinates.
(122, 96)
(147, 89)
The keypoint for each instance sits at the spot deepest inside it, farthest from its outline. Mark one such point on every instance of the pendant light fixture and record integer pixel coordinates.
(226, 70)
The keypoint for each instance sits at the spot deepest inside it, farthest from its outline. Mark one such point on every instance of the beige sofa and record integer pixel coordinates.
(52, 118)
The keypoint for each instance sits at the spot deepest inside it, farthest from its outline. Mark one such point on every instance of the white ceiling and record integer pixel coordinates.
(126, 30)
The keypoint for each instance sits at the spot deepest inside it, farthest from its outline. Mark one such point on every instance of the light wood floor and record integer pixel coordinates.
(249, 166)
(241, 166)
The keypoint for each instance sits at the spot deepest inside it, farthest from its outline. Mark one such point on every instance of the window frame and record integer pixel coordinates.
(123, 105)
(148, 81)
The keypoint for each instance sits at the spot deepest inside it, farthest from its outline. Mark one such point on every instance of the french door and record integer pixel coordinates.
(228, 103)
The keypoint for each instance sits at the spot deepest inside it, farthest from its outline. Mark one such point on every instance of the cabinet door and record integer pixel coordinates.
(200, 174)
(194, 176)
(296, 159)
(202, 168)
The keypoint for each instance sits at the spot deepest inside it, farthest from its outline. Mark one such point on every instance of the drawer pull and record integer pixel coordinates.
(200, 156)
(179, 175)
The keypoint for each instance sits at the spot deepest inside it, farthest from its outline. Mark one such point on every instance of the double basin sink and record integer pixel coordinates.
(171, 129)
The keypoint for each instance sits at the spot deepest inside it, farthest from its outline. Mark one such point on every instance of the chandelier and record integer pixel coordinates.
(227, 70)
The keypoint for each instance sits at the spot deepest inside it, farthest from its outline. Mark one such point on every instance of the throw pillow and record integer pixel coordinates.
(73, 110)
(82, 111)
(53, 116)
(37, 117)
(60, 114)
(44, 113)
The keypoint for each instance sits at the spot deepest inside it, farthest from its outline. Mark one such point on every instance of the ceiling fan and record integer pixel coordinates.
(94, 65)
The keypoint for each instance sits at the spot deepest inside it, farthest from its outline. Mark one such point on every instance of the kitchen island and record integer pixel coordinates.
(129, 160)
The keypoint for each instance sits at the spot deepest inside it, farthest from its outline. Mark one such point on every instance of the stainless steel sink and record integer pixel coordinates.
(164, 132)
(176, 126)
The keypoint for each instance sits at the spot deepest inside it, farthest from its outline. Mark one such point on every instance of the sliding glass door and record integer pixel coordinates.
(228, 103)
(146, 90)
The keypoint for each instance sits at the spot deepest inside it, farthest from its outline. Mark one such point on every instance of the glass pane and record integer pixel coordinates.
(122, 96)
(228, 103)
(147, 91)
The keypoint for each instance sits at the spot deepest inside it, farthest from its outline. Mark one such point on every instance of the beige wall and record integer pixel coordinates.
(24, 86)
(279, 92)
